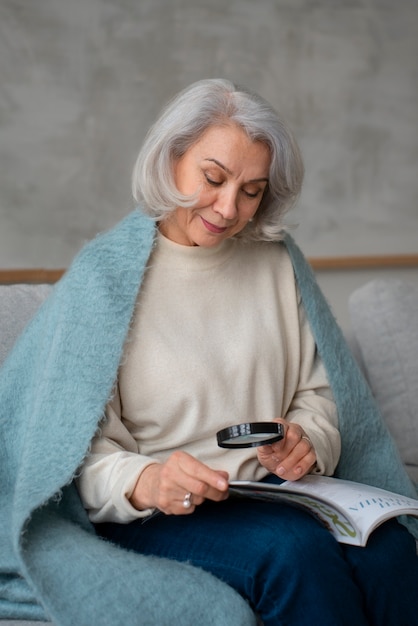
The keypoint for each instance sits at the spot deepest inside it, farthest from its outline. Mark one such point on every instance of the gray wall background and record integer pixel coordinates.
(81, 81)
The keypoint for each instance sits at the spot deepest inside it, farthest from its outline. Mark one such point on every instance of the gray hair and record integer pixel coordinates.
(185, 119)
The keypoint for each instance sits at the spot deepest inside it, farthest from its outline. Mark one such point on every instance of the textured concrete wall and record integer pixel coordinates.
(81, 80)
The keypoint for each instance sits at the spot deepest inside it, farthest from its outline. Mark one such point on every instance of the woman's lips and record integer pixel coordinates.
(212, 228)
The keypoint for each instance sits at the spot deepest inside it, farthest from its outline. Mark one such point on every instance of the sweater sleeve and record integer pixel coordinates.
(313, 406)
(111, 470)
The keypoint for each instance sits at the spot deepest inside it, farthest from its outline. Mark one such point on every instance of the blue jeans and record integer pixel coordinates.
(288, 566)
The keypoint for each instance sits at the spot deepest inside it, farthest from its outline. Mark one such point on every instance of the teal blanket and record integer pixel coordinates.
(54, 387)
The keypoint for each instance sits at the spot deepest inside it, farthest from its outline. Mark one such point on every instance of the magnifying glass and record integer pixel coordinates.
(250, 434)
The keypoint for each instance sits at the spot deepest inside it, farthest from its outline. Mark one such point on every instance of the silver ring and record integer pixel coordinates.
(187, 501)
(307, 439)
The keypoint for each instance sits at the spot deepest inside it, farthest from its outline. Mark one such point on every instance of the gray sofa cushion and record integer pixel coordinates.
(384, 317)
(18, 304)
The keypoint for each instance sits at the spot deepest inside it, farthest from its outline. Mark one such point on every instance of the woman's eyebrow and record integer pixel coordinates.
(228, 171)
(221, 165)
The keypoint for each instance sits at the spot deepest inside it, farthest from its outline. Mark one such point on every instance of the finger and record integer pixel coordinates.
(201, 478)
(279, 447)
(188, 504)
(294, 435)
(202, 491)
(184, 474)
(270, 455)
(268, 458)
(183, 471)
(298, 462)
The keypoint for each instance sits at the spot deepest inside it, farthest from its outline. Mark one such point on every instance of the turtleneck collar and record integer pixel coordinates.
(192, 258)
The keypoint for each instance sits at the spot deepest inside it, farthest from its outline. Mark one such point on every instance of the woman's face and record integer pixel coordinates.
(229, 173)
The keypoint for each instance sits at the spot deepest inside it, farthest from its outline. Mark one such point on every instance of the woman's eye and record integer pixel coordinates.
(252, 194)
(211, 181)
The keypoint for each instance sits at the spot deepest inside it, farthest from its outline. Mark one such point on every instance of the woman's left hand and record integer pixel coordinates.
(290, 458)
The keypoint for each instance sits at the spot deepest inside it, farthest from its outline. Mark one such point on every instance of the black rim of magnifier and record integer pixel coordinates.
(273, 430)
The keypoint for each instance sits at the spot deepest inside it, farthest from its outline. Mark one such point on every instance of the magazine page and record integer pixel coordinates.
(350, 510)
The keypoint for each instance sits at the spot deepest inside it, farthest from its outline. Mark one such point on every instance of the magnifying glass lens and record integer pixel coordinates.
(249, 435)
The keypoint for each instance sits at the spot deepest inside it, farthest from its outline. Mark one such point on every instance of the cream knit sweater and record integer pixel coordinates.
(218, 337)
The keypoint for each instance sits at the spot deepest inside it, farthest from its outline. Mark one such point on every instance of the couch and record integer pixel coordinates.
(383, 338)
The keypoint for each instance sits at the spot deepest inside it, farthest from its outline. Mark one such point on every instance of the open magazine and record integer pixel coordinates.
(350, 510)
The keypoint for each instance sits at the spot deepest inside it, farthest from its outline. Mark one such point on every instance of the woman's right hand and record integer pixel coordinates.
(164, 486)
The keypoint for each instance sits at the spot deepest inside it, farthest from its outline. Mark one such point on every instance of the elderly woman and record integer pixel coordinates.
(220, 334)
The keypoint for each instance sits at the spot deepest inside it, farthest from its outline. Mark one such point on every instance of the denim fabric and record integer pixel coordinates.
(286, 563)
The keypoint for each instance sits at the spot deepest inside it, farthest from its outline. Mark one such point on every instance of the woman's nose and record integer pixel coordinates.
(226, 204)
